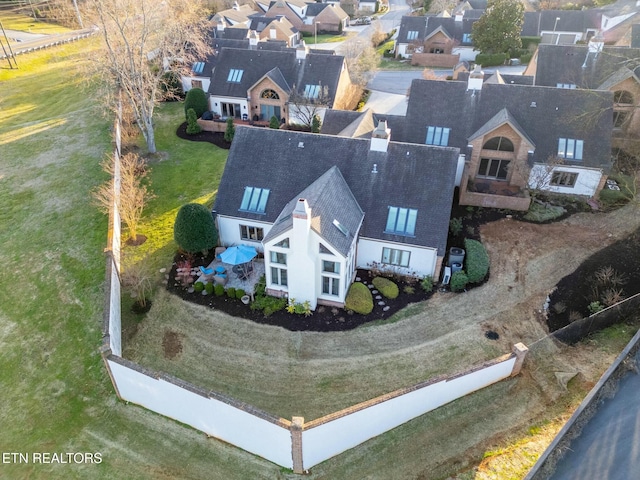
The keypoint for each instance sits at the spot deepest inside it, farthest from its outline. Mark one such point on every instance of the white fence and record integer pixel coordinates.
(291, 444)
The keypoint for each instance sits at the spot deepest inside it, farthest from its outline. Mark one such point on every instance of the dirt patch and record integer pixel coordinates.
(171, 344)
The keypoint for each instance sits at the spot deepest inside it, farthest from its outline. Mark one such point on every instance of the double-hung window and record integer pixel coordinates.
(330, 278)
(564, 179)
(279, 268)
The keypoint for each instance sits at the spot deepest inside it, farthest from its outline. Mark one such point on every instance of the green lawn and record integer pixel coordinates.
(55, 393)
(24, 23)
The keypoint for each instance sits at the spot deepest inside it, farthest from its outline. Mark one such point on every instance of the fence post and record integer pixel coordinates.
(296, 443)
(520, 350)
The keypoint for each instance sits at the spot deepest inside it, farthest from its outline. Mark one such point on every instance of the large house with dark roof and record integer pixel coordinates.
(512, 135)
(433, 34)
(597, 67)
(259, 84)
(320, 206)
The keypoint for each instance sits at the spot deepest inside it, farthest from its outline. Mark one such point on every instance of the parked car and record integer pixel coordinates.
(361, 21)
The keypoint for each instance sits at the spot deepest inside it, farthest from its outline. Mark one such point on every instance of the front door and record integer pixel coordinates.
(268, 111)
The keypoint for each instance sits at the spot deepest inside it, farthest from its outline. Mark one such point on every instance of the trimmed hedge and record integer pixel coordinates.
(240, 293)
(196, 99)
(194, 229)
(476, 261)
(458, 281)
(387, 288)
(218, 289)
(359, 299)
(490, 59)
(231, 292)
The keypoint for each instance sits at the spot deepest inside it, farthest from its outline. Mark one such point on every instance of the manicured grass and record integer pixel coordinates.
(328, 38)
(24, 23)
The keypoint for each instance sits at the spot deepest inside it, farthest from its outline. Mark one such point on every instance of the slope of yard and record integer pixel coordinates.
(57, 397)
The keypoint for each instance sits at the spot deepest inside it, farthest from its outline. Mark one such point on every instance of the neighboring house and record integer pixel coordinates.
(562, 27)
(325, 17)
(201, 71)
(259, 84)
(238, 16)
(310, 17)
(597, 67)
(320, 206)
(512, 135)
(617, 21)
(275, 28)
(441, 35)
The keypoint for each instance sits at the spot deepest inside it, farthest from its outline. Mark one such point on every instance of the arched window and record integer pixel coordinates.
(622, 96)
(269, 94)
(502, 144)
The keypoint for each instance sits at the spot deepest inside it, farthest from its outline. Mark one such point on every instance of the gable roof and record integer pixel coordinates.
(287, 162)
(499, 119)
(329, 199)
(540, 113)
(569, 21)
(574, 64)
(429, 25)
(316, 69)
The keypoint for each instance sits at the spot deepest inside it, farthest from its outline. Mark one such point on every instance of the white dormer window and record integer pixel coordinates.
(235, 75)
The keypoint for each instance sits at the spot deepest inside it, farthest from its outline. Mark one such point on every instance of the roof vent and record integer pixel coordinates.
(533, 105)
(375, 168)
(300, 144)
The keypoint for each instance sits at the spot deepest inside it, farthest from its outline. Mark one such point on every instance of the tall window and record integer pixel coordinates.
(501, 144)
(437, 136)
(619, 118)
(494, 168)
(235, 75)
(248, 232)
(391, 256)
(279, 276)
(331, 286)
(230, 109)
(254, 199)
(570, 148)
(564, 179)
(401, 221)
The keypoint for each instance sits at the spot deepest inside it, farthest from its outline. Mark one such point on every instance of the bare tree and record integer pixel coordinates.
(137, 275)
(305, 107)
(131, 195)
(142, 40)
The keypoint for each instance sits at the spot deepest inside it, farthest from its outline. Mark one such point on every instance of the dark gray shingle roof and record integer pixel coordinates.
(286, 162)
(543, 113)
(329, 199)
(323, 69)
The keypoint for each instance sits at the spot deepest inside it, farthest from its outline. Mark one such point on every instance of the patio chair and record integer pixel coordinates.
(205, 273)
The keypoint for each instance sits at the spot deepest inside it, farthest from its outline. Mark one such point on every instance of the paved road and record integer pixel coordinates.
(609, 446)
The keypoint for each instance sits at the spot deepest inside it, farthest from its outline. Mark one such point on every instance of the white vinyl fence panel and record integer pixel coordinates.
(329, 439)
(209, 415)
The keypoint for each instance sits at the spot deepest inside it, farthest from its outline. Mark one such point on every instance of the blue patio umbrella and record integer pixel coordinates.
(238, 255)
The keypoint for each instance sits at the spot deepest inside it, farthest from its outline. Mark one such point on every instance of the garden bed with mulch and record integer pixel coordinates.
(323, 319)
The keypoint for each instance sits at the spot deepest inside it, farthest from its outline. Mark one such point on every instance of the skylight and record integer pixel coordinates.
(341, 227)
(570, 148)
(401, 221)
(235, 75)
(312, 91)
(254, 200)
(198, 67)
(437, 136)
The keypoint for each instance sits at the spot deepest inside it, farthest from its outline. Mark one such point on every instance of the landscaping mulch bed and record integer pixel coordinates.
(217, 138)
(324, 319)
